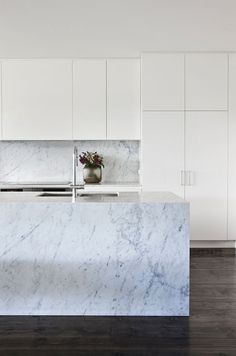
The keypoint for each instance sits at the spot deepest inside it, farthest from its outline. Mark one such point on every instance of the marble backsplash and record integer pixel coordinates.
(43, 161)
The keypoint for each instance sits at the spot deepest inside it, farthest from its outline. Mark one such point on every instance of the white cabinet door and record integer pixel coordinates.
(37, 100)
(206, 81)
(123, 99)
(206, 159)
(232, 149)
(163, 151)
(163, 81)
(89, 99)
(0, 101)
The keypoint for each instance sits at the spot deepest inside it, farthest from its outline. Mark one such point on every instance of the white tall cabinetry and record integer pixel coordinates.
(163, 151)
(232, 148)
(163, 82)
(187, 131)
(0, 101)
(36, 99)
(206, 174)
(206, 81)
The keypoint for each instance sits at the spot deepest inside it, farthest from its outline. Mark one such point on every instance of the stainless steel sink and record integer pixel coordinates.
(116, 194)
(68, 194)
(55, 194)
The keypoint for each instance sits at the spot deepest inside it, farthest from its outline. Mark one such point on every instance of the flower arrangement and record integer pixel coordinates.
(91, 159)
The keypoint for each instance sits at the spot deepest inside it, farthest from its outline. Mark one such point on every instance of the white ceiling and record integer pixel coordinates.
(75, 28)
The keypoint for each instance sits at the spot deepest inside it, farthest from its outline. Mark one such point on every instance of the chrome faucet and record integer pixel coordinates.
(75, 165)
(74, 184)
(74, 178)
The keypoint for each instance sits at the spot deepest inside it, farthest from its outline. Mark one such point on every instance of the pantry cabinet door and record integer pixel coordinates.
(232, 149)
(0, 101)
(206, 81)
(123, 99)
(162, 81)
(206, 167)
(89, 99)
(37, 99)
(163, 152)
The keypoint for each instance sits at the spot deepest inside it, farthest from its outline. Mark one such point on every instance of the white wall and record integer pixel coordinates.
(75, 28)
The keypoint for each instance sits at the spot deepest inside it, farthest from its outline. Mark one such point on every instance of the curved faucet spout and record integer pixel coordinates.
(74, 178)
(75, 165)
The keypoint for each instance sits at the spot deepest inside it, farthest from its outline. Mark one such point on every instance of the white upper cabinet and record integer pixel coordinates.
(89, 99)
(163, 151)
(232, 149)
(86, 99)
(36, 99)
(123, 99)
(206, 181)
(162, 81)
(206, 81)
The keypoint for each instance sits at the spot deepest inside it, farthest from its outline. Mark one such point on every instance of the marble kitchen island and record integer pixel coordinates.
(125, 255)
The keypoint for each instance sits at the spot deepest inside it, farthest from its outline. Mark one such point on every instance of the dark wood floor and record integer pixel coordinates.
(210, 330)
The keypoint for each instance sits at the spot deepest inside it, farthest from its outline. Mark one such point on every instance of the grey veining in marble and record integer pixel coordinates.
(94, 259)
(41, 161)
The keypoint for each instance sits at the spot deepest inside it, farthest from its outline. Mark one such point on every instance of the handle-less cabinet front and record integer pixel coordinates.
(0, 101)
(206, 81)
(36, 99)
(232, 148)
(206, 167)
(163, 152)
(89, 99)
(85, 99)
(123, 99)
(162, 81)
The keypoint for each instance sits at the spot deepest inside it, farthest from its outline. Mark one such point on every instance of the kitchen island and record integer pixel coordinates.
(102, 255)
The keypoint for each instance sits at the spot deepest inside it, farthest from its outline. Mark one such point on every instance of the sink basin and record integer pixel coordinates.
(69, 194)
(55, 194)
(98, 194)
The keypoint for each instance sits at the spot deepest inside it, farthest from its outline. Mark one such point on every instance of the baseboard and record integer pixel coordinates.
(212, 248)
(205, 252)
(212, 244)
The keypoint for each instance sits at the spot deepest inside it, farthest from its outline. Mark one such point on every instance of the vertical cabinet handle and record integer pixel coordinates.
(190, 178)
(187, 178)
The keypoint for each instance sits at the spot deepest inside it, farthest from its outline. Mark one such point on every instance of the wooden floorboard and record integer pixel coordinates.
(204, 252)
(228, 263)
(210, 330)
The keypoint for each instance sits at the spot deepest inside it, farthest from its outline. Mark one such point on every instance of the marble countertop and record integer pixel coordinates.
(18, 185)
(132, 197)
(125, 255)
(63, 184)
